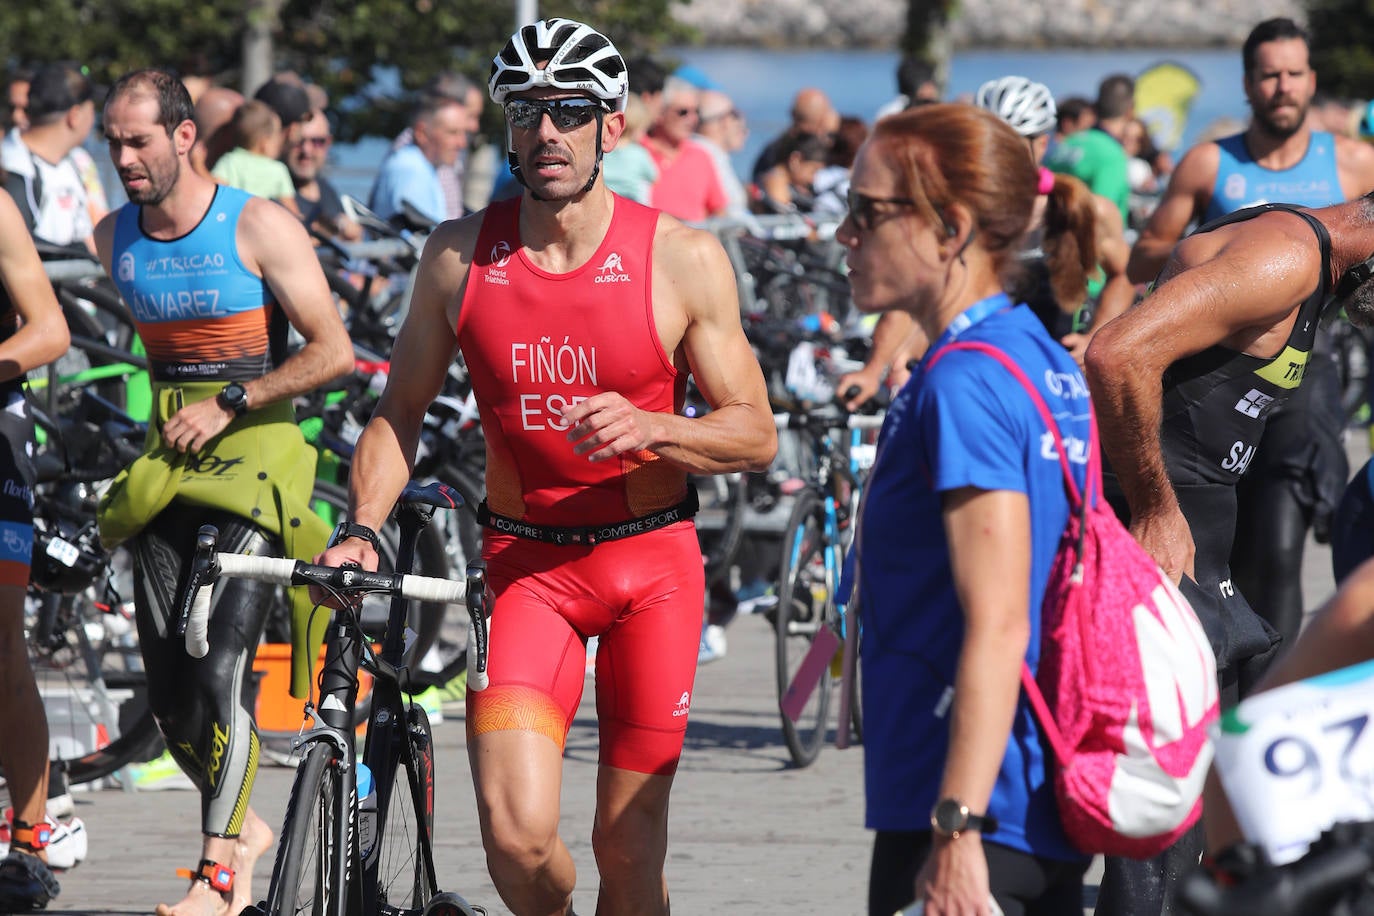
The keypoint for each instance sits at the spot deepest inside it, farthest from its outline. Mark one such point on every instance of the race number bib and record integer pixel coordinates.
(1297, 759)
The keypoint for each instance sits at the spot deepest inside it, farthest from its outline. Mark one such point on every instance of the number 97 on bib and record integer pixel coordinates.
(1299, 758)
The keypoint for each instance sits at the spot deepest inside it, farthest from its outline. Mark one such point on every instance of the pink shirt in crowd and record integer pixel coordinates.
(687, 185)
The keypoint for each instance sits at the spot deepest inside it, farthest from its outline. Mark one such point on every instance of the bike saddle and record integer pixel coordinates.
(436, 494)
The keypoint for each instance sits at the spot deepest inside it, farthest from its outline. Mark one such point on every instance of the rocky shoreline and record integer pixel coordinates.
(984, 23)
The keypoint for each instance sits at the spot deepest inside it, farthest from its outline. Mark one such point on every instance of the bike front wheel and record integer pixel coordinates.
(306, 862)
(403, 860)
(805, 603)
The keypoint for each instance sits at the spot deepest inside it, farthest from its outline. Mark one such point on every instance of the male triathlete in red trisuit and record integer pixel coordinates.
(579, 314)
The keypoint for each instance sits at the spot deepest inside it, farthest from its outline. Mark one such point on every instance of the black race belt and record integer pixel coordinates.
(589, 534)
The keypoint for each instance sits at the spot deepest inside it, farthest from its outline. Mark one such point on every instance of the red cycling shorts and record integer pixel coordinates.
(642, 596)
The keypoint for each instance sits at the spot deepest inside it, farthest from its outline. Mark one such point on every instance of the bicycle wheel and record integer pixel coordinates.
(330, 501)
(89, 320)
(856, 713)
(302, 881)
(89, 672)
(1351, 351)
(720, 521)
(405, 810)
(805, 603)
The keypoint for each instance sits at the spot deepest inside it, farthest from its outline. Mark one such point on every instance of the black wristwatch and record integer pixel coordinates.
(234, 396)
(951, 817)
(346, 529)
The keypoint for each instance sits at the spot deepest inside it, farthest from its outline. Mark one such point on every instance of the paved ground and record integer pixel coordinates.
(748, 833)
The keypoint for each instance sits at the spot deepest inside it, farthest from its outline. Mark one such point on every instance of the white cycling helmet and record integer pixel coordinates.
(575, 56)
(1024, 104)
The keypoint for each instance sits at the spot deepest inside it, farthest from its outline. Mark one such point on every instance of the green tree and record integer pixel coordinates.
(1343, 46)
(339, 44)
(927, 34)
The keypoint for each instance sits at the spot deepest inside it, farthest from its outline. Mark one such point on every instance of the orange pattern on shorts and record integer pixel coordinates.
(510, 707)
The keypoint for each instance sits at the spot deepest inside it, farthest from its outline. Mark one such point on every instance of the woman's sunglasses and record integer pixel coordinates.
(866, 212)
(565, 114)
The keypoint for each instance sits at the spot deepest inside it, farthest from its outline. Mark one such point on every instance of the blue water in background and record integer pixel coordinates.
(762, 83)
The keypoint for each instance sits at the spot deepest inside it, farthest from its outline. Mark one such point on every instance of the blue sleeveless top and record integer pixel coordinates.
(1242, 182)
(202, 314)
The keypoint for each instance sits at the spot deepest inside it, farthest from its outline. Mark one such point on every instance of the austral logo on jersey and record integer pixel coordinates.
(127, 266)
(1253, 403)
(612, 271)
(684, 705)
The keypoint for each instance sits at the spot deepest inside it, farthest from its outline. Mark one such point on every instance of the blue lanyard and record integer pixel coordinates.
(967, 319)
(961, 323)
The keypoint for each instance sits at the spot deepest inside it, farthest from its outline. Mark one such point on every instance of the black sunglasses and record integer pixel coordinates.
(565, 114)
(864, 211)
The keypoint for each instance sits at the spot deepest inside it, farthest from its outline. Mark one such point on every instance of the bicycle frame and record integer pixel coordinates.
(345, 653)
(825, 482)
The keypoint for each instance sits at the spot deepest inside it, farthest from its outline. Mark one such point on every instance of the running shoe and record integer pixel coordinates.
(67, 848)
(160, 773)
(25, 883)
(456, 690)
(712, 646)
(61, 805)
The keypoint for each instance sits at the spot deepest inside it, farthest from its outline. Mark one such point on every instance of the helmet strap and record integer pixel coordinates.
(596, 169)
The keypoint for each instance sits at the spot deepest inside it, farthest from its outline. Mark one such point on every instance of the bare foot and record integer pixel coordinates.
(254, 840)
(200, 900)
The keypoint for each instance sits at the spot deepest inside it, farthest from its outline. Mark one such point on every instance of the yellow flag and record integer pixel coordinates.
(1164, 94)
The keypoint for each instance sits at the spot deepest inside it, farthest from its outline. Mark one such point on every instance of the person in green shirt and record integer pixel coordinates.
(1095, 156)
(254, 164)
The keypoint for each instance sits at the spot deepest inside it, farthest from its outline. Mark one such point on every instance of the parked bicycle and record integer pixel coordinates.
(817, 634)
(79, 616)
(340, 854)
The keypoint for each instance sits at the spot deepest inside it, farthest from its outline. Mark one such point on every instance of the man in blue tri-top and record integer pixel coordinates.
(213, 277)
(1299, 469)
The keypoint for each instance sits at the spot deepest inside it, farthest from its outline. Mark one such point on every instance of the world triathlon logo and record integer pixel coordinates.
(126, 267)
(500, 254)
(612, 271)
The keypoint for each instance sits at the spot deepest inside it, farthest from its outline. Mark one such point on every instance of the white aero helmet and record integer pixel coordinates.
(575, 56)
(1024, 104)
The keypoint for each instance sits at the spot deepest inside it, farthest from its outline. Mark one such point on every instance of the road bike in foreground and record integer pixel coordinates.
(342, 855)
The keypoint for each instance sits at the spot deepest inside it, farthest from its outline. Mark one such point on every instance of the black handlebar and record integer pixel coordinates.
(1321, 882)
